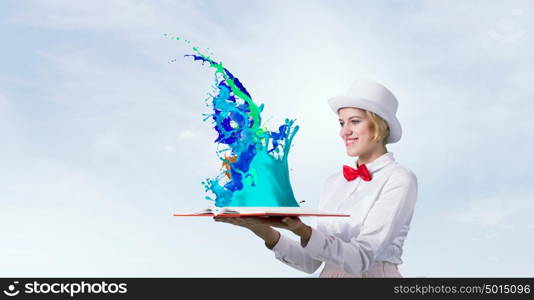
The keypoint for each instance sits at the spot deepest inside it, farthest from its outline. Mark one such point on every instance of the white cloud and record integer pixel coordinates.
(3, 103)
(94, 15)
(484, 216)
(169, 148)
(187, 134)
(490, 235)
(495, 211)
(494, 259)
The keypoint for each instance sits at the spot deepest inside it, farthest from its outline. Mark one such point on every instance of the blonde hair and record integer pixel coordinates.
(378, 126)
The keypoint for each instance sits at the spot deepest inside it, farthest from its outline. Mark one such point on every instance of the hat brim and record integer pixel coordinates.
(395, 129)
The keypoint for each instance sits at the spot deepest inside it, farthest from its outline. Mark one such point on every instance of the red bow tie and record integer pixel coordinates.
(351, 173)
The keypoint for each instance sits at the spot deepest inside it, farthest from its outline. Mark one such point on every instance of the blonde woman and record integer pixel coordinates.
(377, 192)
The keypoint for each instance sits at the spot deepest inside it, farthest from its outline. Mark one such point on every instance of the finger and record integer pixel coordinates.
(289, 221)
(224, 220)
(234, 220)
(292, 222)
(237, 221)
(276, 222)
(252, 220)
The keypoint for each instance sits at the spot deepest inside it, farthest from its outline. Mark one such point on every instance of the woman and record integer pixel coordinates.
(379, 194)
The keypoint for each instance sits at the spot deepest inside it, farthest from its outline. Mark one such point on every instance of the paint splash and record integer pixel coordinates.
(254, 160)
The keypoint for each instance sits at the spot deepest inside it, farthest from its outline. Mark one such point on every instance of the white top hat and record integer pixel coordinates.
(374, 97)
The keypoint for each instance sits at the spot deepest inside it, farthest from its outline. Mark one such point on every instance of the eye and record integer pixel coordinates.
(355, 121)
(341, 124)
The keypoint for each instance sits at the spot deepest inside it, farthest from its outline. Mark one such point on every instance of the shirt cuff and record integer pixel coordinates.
(315, 244)
(283, 245)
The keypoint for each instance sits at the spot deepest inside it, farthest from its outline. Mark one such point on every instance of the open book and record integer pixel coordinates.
(253, 211)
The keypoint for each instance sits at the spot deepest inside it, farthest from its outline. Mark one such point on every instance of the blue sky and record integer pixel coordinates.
(103, 139)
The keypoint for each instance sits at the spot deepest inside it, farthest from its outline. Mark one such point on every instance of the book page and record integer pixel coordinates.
(274, 210)
(237, 211)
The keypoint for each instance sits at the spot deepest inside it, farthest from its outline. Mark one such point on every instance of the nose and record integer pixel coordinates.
(345, 131)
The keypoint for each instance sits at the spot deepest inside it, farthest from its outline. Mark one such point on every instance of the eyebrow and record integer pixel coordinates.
(353, 118)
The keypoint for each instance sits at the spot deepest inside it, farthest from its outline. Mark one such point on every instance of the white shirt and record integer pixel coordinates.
(381, 211)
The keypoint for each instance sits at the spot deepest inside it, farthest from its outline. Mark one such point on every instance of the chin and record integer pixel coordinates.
(352, 153)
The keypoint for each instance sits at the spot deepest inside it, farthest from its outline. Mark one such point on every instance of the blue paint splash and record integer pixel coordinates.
(254, 159)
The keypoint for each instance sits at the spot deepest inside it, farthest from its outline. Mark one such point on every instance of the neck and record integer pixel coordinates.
(366, 158)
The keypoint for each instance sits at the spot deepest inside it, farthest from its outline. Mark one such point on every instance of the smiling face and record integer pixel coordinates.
(356, 132)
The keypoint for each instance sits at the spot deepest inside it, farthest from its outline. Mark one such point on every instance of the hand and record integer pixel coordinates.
(293, 224)
(262, 226)
(290, 223)
(297, 227)
(257, 226)
(251, 223)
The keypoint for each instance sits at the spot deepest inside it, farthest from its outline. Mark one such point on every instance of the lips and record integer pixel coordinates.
(349, 142)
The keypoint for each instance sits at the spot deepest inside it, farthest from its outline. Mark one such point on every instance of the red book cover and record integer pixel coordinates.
(250, 211)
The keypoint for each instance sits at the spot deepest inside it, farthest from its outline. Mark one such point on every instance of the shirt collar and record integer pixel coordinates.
(380, 162)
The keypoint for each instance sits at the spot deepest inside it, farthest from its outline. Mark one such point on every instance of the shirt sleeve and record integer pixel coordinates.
(393, 208)
(292, 254)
